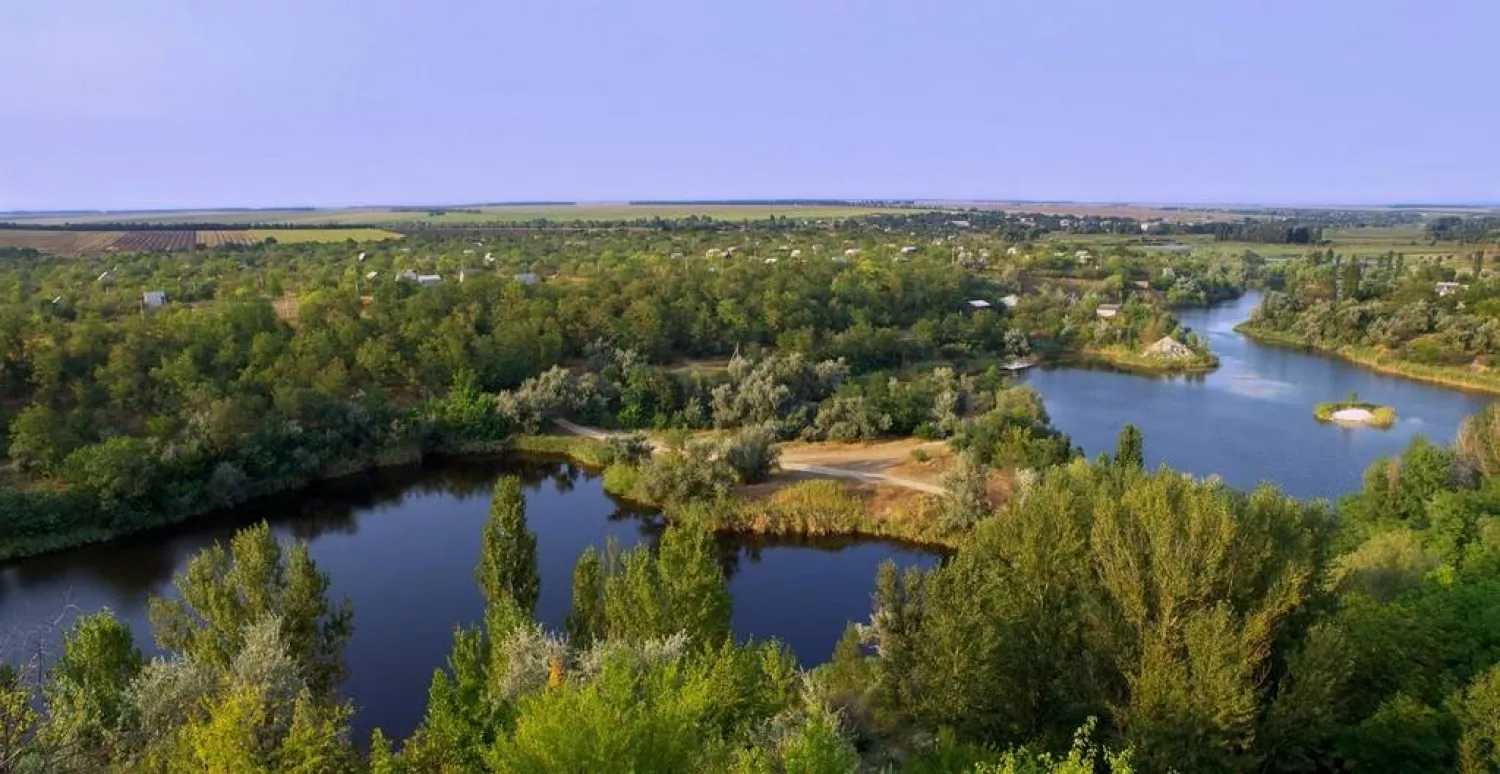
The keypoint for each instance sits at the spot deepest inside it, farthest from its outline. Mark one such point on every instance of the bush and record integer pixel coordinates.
(968, 485)
(752, 453)
(631, 449)
(691, 474)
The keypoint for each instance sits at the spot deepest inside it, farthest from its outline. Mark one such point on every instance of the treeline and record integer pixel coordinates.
(1468, 230)
(1265, 232)
(1385, 306)
(121, 420)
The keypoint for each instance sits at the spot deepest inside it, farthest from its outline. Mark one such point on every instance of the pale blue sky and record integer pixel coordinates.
(151, 103)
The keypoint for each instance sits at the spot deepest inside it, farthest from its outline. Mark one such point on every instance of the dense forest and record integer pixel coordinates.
(272, 365)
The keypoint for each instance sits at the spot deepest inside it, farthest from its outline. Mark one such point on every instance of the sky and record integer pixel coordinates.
(172, 103)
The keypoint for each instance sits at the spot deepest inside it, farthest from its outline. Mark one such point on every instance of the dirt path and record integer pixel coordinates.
(866, 463)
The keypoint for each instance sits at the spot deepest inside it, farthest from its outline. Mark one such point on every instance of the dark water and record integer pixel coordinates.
(402, 544)
(1252, 419)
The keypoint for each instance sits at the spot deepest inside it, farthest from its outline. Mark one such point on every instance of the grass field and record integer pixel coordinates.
(299, 235)
(485, 214)
(1407, 240)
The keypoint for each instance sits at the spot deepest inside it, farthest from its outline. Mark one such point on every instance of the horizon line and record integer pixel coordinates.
(788, 201)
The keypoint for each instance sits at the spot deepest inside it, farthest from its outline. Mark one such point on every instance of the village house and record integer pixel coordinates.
(1107, 311)
(153, 299)
(1449, 288)
(1010, 301)
(428, 280)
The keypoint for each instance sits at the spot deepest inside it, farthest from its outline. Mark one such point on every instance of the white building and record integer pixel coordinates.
(153, 299)
(1449, 288)
(1010, 301)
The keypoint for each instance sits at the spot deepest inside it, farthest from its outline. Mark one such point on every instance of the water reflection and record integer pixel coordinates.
(402, 543)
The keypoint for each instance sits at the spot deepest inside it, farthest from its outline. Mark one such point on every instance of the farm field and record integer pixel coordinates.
(485, 214)
(219, 238)
(73, 243)
(60, 242)
(299, 235)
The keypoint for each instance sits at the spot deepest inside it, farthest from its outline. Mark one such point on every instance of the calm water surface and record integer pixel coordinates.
(1252, 419)
(402, 545)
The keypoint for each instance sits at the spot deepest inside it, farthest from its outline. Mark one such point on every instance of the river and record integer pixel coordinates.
(1251, 420)
(402, 543)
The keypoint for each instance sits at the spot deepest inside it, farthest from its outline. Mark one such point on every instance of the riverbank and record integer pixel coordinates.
(65, 507)
(1457, 377)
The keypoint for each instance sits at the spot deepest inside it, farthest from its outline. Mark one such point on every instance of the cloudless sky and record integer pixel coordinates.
(181, 103)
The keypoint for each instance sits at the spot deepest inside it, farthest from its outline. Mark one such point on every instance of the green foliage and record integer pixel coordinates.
(1479, 719)
(968, 486)
(1084, 757)
(586, 624)
(752, 453)
(695, 472)
(86, 692)
(1015, 434)
(678, 590)
(507, 571)
(223, 592)
(656, 714)
(1130, 451)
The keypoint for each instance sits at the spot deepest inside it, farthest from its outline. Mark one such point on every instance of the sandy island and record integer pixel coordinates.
(1353, 415)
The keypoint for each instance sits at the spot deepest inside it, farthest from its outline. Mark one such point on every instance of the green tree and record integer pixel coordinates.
(507, 555)
(1479, 718)
(585, 622)
(223, 592)
(1130, 451)
(86, 690)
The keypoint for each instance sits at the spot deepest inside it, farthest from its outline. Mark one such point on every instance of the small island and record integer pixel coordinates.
(1353, 411)
(1166, 355)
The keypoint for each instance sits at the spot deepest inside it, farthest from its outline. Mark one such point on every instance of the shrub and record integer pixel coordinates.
(630, 449)
(752, 453)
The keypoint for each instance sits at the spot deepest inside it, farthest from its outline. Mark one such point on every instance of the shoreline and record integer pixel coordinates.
(1445, 376)
(577, 449)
